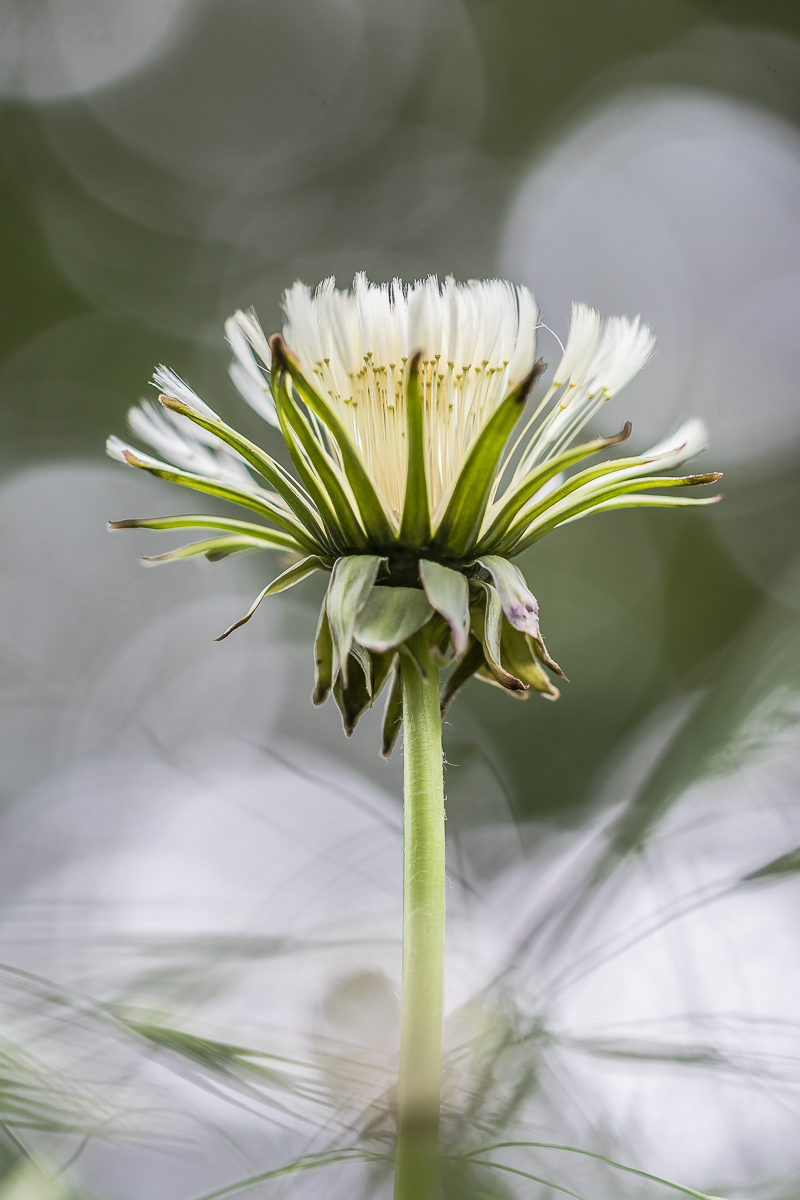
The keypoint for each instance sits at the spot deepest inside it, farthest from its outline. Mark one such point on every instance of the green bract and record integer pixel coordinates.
(398, 407)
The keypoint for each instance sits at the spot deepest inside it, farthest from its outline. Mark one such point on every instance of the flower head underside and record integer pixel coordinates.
(425, 458)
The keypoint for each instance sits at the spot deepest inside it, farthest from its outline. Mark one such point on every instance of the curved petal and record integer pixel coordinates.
(307, 566)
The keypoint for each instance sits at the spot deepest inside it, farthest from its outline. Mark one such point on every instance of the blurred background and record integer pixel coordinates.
(199, 875)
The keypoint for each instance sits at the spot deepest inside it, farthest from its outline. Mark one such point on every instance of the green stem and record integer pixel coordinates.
(417, 1156)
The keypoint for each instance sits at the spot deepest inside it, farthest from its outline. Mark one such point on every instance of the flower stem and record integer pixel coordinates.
(417, 1155)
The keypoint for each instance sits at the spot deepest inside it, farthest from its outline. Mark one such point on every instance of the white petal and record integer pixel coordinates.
(524, 353)
(249, 324)
(255, 392)
(170, 384)
(687, 442)
(583, 341)
(624, 349)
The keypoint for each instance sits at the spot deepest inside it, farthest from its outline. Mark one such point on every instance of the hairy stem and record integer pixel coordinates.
(417, 1159)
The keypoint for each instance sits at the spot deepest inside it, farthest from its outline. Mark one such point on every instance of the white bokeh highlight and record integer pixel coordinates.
(682, 205)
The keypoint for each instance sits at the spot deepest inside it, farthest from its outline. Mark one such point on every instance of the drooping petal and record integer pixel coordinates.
(352, 692)
(271, 537)
(448, 593)
(487, 624)
(324, 665)
(519, 603)
(351, 582)
(390, 616)
(472, 661)
(213, 548)
(295, 574)
(392, 715)
(383, 666)
(519, 656)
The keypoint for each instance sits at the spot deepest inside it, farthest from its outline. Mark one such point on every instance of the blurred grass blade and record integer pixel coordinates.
(609, 1162)
(306, 1162)
(777, 869)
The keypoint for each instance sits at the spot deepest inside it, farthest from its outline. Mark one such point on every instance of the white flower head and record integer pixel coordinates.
(477, 339)
(400, 407)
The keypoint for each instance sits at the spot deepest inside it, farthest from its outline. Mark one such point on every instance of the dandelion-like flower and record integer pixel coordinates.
(398, 407)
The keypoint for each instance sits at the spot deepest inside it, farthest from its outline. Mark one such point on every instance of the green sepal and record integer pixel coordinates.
(369, 504)
(463, 517)
(612, 492)
(645, 500)
(259, 502)
(442, 652)
(415, 525)
(364, 660)
(487, 625)
(272, 471)
(486, 675)
(392, 715)
(511, 537)
(322, 477)
(306, 566)
(515, 501)
(382, 667)
(323, 659)
(353, 697)
(213, 548)
(390, 616)
(448, 593)
(463, 672)
(519, 603)
(519, 655)
(271, 537)
(348, 591)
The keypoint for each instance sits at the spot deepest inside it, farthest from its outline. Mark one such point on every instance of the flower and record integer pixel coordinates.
(397, 406)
